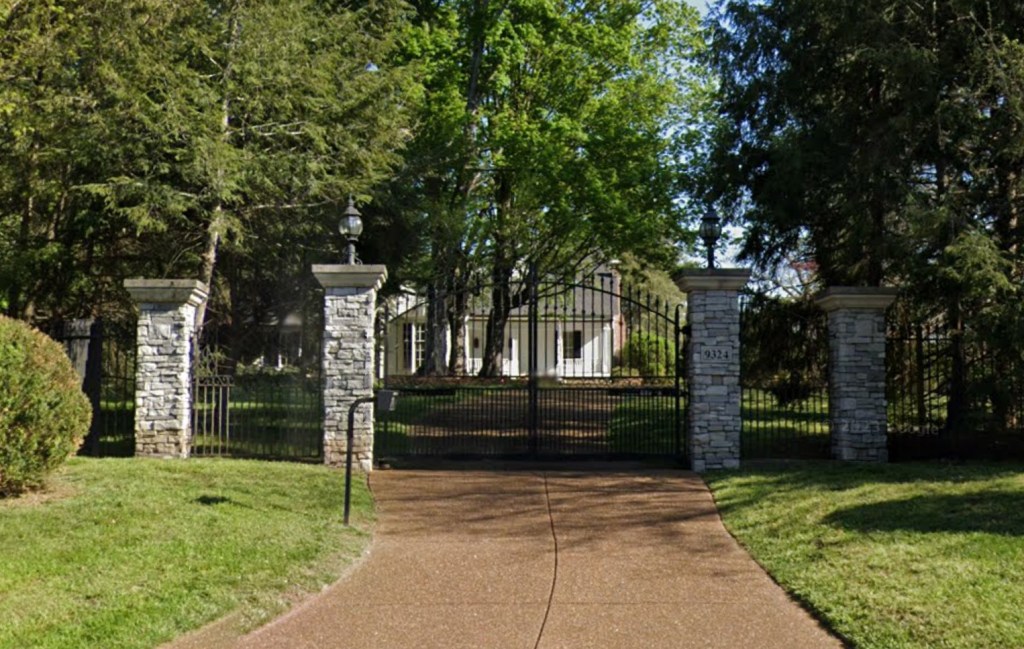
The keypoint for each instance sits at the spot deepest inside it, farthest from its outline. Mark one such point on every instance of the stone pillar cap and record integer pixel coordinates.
(167, 291)
(864, 298)
(350, 275)
(716, 279)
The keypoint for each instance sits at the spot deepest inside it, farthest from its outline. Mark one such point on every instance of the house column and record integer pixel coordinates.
(467, 345)
(559, 351)
(163, 364)
(856, 386)
(350, 307)
(606, 349)
(713, 366)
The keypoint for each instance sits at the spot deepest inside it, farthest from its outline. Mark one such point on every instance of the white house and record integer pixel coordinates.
(581, 329)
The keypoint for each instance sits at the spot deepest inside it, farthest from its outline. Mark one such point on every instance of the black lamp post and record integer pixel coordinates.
(351, 227)
(710, 231)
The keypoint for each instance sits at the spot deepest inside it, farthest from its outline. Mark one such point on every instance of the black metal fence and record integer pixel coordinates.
(580, 369)
(269, 413)
(103, 352)
(950, 395)
(783, 378)
(494, 421)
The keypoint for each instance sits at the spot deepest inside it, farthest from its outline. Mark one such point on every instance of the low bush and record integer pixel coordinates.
(649, 355)
(43, 413)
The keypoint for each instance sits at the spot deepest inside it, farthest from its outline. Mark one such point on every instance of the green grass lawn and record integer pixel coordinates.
(131, 553)
(638, 425)
(890, 556)
(269, 417)
(394, 432)
(646, 424)
(796, 430)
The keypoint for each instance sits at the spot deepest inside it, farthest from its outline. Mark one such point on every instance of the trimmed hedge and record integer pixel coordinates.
(43, 413)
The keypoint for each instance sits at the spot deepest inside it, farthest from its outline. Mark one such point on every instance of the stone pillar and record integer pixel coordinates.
(77, 336)
(713, 366)
(856, 386)
(163, 364)
(350, 306)
(83, 342)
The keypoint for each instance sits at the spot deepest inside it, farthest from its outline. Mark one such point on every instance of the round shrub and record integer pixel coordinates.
(43, 413)
(649, 354)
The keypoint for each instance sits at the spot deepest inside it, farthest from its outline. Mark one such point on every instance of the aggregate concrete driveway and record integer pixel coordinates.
(547, 559)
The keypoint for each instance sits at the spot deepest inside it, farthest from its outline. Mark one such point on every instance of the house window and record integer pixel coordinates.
(414, 341)
(407, 345)
(420, 345)
(572, 343)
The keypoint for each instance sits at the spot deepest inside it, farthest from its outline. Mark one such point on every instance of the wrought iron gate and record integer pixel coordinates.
(578, 369)
(269, 413)
(104, 352)
(784, 379)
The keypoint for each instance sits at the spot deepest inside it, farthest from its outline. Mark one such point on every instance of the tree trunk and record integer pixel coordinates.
(19, 297)
(458, 308)
(497, 319)
(956, 406)
(216, 225)
(920, 386)
(208, 262)
(479, 27)
(876, 252)
(433, 356)
(16, 292)
(502, 265)
(1008, 220)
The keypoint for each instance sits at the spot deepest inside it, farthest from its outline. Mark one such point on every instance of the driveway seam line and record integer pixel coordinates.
(554, 574)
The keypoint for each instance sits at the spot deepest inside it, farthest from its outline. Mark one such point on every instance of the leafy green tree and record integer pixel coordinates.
(785, 347)
(55, 238)
(285, 117)
(186, 127)
(882, 141)
(552, 137)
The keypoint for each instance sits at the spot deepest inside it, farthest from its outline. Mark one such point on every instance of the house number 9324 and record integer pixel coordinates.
(715, 354)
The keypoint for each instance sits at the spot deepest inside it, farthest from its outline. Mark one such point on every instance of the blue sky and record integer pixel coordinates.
(702, 5)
